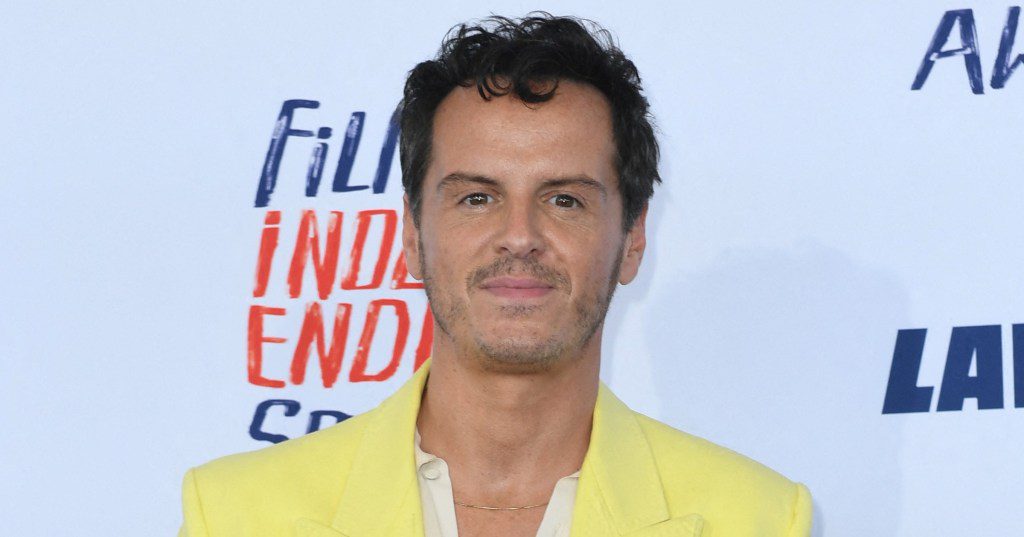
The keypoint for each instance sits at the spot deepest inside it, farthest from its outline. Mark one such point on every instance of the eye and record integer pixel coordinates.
(477, 198)
(565, 201)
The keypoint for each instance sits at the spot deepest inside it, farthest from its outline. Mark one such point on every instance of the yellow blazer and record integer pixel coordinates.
(639, 477)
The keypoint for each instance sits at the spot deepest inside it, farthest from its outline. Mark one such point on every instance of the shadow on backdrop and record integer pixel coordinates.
(784, 356)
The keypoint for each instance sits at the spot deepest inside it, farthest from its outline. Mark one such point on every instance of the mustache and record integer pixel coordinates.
(507, 266)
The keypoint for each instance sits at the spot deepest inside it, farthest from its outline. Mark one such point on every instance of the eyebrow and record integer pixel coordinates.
(461, 178)
(578, 180)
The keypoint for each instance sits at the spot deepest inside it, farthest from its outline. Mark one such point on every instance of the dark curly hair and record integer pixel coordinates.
(500, 56)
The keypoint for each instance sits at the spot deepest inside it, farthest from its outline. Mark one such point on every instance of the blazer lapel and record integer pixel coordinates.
(408, 523)
(381, 496)
(691, 525)
(620, 488)
(305, 527)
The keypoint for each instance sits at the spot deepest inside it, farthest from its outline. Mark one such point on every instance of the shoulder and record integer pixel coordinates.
(676, 450)
(730, 486)
(303, 476)
(306, 458)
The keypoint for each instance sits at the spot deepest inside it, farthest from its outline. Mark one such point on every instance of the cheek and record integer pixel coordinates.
(445, 262)
(591, 267)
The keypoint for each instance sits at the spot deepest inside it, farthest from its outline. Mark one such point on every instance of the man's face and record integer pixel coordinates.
(520, 241)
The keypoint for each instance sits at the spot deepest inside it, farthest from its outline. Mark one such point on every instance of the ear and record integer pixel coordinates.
(633, 248)
(410, 241)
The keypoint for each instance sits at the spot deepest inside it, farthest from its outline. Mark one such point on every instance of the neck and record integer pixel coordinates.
(508, 437)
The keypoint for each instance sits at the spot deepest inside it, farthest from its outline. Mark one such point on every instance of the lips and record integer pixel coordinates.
(510, 287)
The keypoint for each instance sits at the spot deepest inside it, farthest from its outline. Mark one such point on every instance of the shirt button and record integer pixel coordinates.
(431, 472)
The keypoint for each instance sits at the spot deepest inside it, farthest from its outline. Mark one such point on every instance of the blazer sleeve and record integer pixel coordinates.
(194, 524)
(802, 513)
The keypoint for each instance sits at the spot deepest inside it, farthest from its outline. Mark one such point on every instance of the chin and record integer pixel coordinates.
(517, 334)
(520, 353)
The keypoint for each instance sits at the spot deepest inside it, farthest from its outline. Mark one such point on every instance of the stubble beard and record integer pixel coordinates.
(520, 355)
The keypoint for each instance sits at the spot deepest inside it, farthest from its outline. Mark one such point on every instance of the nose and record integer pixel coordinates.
(521, 235)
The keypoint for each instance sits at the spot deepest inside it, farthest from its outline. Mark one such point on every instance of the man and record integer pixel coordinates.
(528, 159)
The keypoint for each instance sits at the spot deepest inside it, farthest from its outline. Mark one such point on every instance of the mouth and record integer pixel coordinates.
(508, 287)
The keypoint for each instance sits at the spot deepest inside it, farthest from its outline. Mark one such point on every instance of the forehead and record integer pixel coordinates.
(506, 138)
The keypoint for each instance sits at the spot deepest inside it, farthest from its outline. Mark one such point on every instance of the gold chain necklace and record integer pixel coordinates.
(500, 508)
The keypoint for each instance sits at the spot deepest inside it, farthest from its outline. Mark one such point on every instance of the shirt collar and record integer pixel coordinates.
(422, 457)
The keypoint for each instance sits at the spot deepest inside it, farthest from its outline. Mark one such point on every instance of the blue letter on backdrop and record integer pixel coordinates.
(969, 49)
(282, 130)
(316, 418)
(1018, 365)
(387, 153)
(903, 394)
(1004, 68)
(968, 343)
(353, 133)
(256, 431)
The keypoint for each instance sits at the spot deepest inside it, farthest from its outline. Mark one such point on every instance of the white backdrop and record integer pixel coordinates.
(813, 206)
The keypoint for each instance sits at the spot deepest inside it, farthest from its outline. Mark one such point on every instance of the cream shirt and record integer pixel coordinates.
(439, 503)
